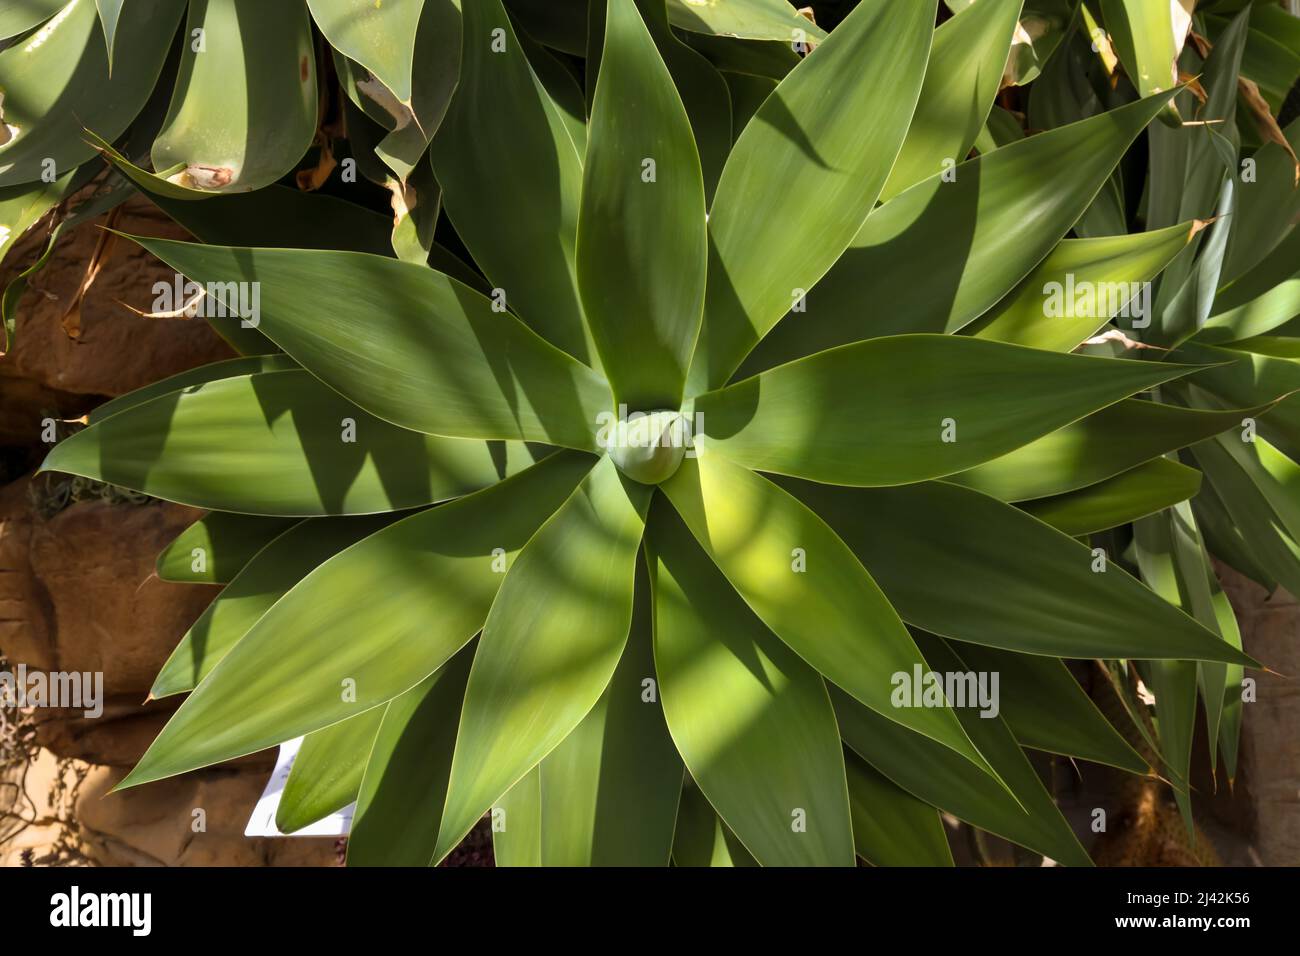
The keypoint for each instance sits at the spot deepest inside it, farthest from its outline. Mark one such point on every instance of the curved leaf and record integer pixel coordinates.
(939, 777)
(1148, 36)
(890, 826)
(617, 766)
(212, 372)
(517, 823)
(751, 720)
(641, 237)
(1082, 285)
(408, 344)
(1047, 710)
(846, 416)
(535, 678)
(364, 627)
(752, 19)
(1008, 580)
(702, 839)
(18, 18)
(217, 546)
(833, 616)
(1136, 493)
(244, 108)
(802, 179)
(1098, 447)
(379, 37)
(400, 799)
(58, 78)
(255, 589)
(941, 253)
(503, 155)
(964, 75)
(278, 443)
(326, 773)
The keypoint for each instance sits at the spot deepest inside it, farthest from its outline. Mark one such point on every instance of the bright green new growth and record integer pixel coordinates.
(649, 448)
(485, 595)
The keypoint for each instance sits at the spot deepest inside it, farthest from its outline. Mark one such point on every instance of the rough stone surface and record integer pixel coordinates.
(78, 591)
(117, 351)
(1270, 735)
(62, 814)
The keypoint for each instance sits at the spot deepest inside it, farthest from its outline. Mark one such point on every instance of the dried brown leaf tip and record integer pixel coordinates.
(1265, 122)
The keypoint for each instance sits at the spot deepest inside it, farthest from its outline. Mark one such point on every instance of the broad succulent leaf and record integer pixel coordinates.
(533, 680)
(275, 443)
(326, 772)
(472, 372)
(801, 180)
(518, 266)
(772, 754)
(813, 418)
(288, 675)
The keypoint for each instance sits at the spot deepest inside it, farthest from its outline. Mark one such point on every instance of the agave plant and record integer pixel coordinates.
(1236, 155)
(643, 534)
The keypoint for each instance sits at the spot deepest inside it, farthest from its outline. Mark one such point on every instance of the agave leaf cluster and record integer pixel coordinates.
(871, 452)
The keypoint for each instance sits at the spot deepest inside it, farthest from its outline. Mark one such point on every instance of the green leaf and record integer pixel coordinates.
(18, 18)
(1148, 36)
(1136, 493)
(641, 244)
(1266, 208)
(410, 345)
(25, 204)
(1098, 447)
(437, 70)
(702, 88)
(1047, 710)
(751, 19)
(821, 417)
(517, 823)
(511, 179)
(702, 839)
(1008, 580)
(1266, 297)
(110, 12)
(66, 62)
(760, 537)
(1262, 530)
(942, 779)
(964, 75)
(942, 253)
(751, 720)
(747, 95)
(1230, 721)
(217, 546)
(535, 678)
(1172, 682)
(802, 179)
(1082, 285)
(266, 578)
(213, 372)
(364, 627)
(244, 109)
(609, 792)
(326, 773)
(890, 826)
(277, 443)
(405, 781)
(379, 37)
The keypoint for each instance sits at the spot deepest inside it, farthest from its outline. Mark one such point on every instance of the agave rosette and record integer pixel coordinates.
(440, 571)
